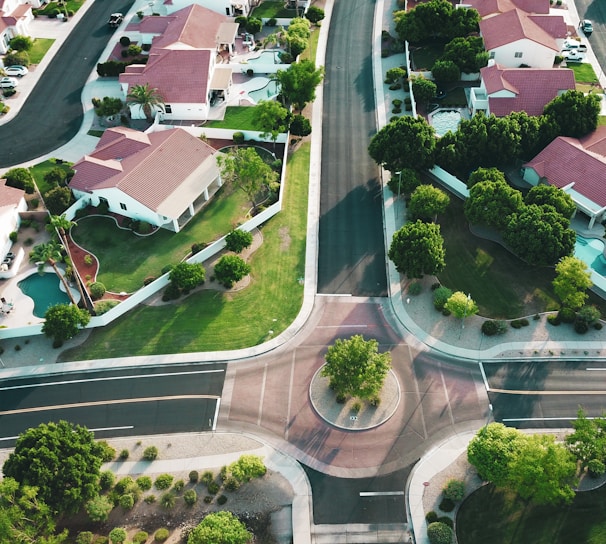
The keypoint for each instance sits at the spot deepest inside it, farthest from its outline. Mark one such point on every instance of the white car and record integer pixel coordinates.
(8, 83)
(574, 45)
(574, 56)
(16, 70)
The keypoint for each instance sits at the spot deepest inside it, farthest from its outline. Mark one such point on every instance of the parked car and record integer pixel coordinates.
(574, 45)
(8, 83)
(115, 19)
(574, 56)
(16, 70)
(586, 26)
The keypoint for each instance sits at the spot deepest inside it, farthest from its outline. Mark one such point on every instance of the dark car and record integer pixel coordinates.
(586, 26)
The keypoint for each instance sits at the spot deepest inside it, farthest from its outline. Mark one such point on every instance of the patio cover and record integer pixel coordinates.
(226, 34)
(221, 80)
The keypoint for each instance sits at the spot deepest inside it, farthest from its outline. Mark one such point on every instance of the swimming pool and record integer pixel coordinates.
(590, 251)
(44, 291)
(267, 57)
(444, 121)
(267, 92)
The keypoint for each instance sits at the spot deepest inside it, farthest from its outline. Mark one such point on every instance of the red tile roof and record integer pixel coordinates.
(570, 160)
(513, 26)
(490, 7)
(533, 88)
(10, 196)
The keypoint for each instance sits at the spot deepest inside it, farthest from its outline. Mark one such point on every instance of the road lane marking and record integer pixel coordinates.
(571, 418)
(595, 369)
(214, 428)
(103, 403)
(110, 378)
(122, 428)
(486, 385)
(528, 392)
(381, 493)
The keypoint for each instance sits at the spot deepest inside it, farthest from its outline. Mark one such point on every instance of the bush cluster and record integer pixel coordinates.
(164, 481)
(519, 323)
(492, 327)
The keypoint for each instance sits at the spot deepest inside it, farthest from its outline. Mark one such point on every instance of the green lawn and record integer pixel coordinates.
(147, 255)
(273, 9)
(209, 320)
(312, 47)
(500, 517)
(39, 170)
(39, 49)
(72, 5)
(454, 98)
(583, 72)
(236, 117)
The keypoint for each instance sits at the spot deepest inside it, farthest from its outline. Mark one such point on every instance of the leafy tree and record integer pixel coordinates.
(588, 441)
(62, 460)
(58, 199)
(575, 113)
(108, 106)
(440, 296)
(589, 315)
(315, 14)
(395, 75)
(219, 528)
(185, 276)
(467, 53)
(245, 469)
(404, 142)
(51, 253)
(454, 490)
(572, 281)
(13, 57)
(539, 235)
(247, 171)
(271, 118)
(355, 367)
(98, 508)
(253, 25)
(491, 450)
(485, 174)
(56, 176)
(460, 305)
(445, 71)
(230, 269)
(296, 35)
(423, 90)
(439, 533)
(21, 43)
(238, 240)
(298, 83)
(492, 203)
(63, 321)
(404, 182)
(20, 178)
(418, 249)
(147, 98)
(117, 535)
(300, 126)
(550, 195)
(427, 202)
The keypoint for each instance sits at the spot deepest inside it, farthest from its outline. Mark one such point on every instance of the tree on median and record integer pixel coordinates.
(417, 249)
(572, 281)
(427, 202)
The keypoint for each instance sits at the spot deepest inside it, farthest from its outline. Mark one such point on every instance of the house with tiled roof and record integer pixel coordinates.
(506, 90)
(578, 167)
(15, 16)
(516, 38)
(182, 63)
(489, 8)
(12, 202)
(161, 177)
(232, 8)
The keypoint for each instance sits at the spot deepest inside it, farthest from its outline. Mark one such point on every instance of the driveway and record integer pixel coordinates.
(53, 113)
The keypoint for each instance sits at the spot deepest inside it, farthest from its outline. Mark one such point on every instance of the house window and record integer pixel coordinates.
(168, 108)
(491, 55)
(518, 55)
(122, 206)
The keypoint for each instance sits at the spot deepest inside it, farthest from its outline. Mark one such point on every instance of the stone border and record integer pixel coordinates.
(340, 415)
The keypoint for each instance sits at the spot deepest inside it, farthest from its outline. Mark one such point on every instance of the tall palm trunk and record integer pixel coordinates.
(64, 242)
(53, 263)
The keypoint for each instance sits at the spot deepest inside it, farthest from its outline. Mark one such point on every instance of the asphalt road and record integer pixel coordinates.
(53, 113)
(596, 12)
(180, 398)
(351, 257)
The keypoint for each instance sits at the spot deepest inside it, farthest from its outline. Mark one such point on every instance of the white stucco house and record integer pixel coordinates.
(578, 167)
(12, 202)
(162, 177)
(182, 63)
(15, 16)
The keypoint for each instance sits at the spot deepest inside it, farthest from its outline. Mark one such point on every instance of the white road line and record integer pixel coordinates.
(333, 295)
(484, 377)
(452, 420)
(595, 369)
(216, 414)
(341, 326)
(571, 418)
(381, 493)
(124, 427)
(290, 382)
(110, 378)
(539, 393)
(262, 396)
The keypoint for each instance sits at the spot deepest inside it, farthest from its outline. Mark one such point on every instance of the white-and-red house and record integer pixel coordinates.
(15, 16)
(12, 202)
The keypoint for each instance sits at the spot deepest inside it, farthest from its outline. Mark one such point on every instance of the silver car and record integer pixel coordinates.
(8, 83)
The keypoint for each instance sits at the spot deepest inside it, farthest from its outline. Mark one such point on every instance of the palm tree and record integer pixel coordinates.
(50, 253)
(146, 97)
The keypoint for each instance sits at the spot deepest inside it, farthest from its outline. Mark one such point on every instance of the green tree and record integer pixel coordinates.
(454, 490)
(298, 83)
(355, 367)
(108, 106)
(63, 321)
(550, 195)
(271, 118)
(485, 174)
(56, 176)
(149, 99)
(300, 126)
(98, 508)
(21, 43)
(467, 53)
(445, 71)
(238, 240)
(427, 202)
(423, 90)
(404, 142)
(574, 113)
(231, 269)
(539, 235)
(439, 533)
(572, 281)
(296, 36)
(245, 469)
(588, 440)
(62, 460)
(13, 57)
(404, 182)
(253, 25)
(20, 178)
(589, 315)
(185, 276)
(244, 168)
(117, 535)
(51, 253)
(314, 14)
(492, 204)
(219, 528)
(461, 305)
(58, 199)
(395, 75)
(417, 249)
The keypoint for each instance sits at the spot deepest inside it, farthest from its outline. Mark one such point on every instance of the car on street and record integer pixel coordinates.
(8, 83)
(115, 19)
(16, 70)
(586, 26)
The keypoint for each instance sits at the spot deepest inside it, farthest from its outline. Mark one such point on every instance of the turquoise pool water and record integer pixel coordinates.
(444, 121)
(589, 250)
(267, 92)
(267, 57)
(44, 291)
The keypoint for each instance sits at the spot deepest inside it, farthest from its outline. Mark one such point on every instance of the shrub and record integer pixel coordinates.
(140, 537)
(161, 535)
(213, 488)
(208, 499)
(150, 453)
(596, 468)
(16, 57)
(117, 535)
(108, 452)
(178, 485)
(440, 296)
(221, 500)
(454, 490)
(314, 14)
(127, 501)
(56, 176)
(430, 517)
(519, 323)
(124, 41)
(489, 328)
(286, 57)
(98, 509)
(197, 247)
(148, 280)
(85, 537)
(553, 319)
(415, 288)
(231, 269)
(124, 455)
(101, 540)
(580, 327)
(106, 480)
(190, 497)
(144, 483)
(133, 50)
(438, 533)
(300, 126)
(567, 315)
(446, 521)
(597, 326)
(150, 499)
(207, 477)
(123, 484)
(19, 178)
(168, 500)
(21, 43)
(143, 227)
(164, 481)
(272, 22)
(237, 240)
(238, 138)
(446, 505)
(193, 476)
(446, 312)
(97, 290)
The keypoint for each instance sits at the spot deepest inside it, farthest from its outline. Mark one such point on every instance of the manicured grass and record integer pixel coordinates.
(236, 117)
(147, 255)
(274, 9)
(40, 170)
(425, 57)
(583, 72)
(312, 47)
(39, 49)
(602, 120)
(501, 517)
(71, 5)
(209, 320)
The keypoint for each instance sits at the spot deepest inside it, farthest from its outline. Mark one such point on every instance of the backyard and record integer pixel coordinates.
(236, 117)
(269, 9)
(41, 169)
